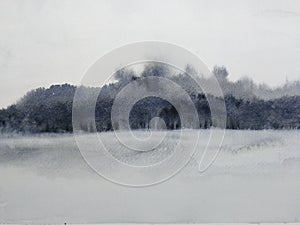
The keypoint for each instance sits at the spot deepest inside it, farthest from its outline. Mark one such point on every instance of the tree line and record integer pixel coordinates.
(50, 109)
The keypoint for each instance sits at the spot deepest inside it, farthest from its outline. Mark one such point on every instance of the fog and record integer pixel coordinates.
(50, 42)
(255, 178)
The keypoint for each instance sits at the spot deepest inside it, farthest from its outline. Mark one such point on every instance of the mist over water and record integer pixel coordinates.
(255, 178)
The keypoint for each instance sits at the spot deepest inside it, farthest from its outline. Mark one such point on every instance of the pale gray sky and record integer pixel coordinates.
(49, 42)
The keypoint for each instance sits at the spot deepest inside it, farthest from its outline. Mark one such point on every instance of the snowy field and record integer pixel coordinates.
(255, 178)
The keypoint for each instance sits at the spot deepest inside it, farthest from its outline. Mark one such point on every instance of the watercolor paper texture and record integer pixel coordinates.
(149, 112)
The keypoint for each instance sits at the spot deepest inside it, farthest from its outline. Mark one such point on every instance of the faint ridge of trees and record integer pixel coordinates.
(249, 106)
(156, 70)
(220, 72)
(125, 76)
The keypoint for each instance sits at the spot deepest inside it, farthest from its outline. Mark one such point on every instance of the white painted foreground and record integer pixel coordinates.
(256, 178)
